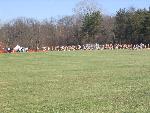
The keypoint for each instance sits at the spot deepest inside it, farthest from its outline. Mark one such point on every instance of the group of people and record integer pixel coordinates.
(81, 47)
(97, 47)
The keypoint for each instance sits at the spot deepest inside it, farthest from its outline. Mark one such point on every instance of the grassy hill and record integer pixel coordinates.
(75, 82)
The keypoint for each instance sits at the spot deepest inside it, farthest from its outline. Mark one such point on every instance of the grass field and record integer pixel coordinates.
(75, 82)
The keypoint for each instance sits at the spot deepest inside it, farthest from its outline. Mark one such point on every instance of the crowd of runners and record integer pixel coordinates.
(96, 47)
(78, 47)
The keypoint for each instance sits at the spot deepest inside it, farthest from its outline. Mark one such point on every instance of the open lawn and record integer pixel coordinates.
(75, 82)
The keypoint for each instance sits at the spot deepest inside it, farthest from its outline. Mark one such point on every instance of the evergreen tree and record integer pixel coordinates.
(91, 27)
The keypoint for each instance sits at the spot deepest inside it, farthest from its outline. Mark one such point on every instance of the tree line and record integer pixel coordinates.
(87, 25)
(132, 26)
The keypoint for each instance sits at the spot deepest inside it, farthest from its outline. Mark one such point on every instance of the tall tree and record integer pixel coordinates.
(120, 25)
(91, 26)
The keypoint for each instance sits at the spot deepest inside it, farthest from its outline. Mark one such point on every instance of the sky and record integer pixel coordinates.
(42, 9)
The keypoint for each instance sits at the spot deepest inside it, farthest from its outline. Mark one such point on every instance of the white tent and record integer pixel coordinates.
(20, 49)
(17, 48)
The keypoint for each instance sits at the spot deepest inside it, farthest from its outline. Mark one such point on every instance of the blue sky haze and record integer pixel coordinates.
(41, 9)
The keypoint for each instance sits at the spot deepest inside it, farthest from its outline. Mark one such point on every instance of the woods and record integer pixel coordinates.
(86, 26)
(132, 26)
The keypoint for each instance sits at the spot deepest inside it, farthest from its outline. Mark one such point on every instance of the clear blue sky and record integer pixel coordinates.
(41, 9)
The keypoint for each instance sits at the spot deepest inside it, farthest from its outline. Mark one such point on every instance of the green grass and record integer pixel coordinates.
(75, 82)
